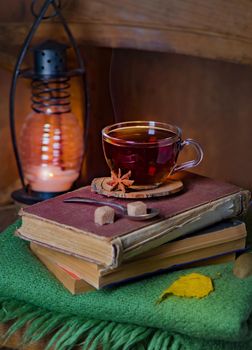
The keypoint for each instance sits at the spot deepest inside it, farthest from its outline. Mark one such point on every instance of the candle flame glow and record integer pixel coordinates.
(51, 178)
(46, 173)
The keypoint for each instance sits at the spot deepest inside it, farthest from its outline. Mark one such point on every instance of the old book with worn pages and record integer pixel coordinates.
(222, 238)
(76, 285)
(70, 227)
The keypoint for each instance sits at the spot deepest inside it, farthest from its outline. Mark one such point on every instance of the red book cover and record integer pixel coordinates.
(198, 190)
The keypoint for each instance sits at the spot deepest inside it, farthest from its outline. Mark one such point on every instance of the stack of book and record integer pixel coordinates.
(197, 226)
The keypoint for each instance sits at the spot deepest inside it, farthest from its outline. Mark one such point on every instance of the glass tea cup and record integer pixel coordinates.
(148, 149)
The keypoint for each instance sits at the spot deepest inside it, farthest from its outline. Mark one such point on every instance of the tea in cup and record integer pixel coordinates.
(148, 149)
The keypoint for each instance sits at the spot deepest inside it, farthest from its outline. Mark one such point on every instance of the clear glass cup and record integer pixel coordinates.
(148, 149)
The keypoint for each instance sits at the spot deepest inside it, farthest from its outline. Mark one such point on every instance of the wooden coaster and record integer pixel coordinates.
(100, 186)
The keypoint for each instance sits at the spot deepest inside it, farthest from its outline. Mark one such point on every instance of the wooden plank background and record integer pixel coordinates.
(217, 29)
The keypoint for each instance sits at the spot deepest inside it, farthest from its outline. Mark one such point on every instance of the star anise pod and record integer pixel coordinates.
(119, 182)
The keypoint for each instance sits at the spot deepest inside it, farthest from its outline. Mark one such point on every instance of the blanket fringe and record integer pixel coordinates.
(66, 332)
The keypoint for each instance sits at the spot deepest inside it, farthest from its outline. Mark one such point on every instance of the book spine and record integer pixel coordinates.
(185, 223)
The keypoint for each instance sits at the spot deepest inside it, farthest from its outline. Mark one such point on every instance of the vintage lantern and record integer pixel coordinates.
(50, 148)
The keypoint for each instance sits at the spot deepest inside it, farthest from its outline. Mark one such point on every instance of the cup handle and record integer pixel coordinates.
(190, 163)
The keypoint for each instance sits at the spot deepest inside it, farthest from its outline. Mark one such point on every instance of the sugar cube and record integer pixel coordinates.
(136, 208)
(104, 215)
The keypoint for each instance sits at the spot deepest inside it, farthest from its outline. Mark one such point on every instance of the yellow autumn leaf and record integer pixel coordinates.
(192, 285)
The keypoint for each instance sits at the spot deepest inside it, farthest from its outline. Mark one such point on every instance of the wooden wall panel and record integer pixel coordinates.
(209, 100)
(98, 66)
(216, 29)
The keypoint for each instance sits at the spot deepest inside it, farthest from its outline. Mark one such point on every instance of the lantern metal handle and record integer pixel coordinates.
(44, 17)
